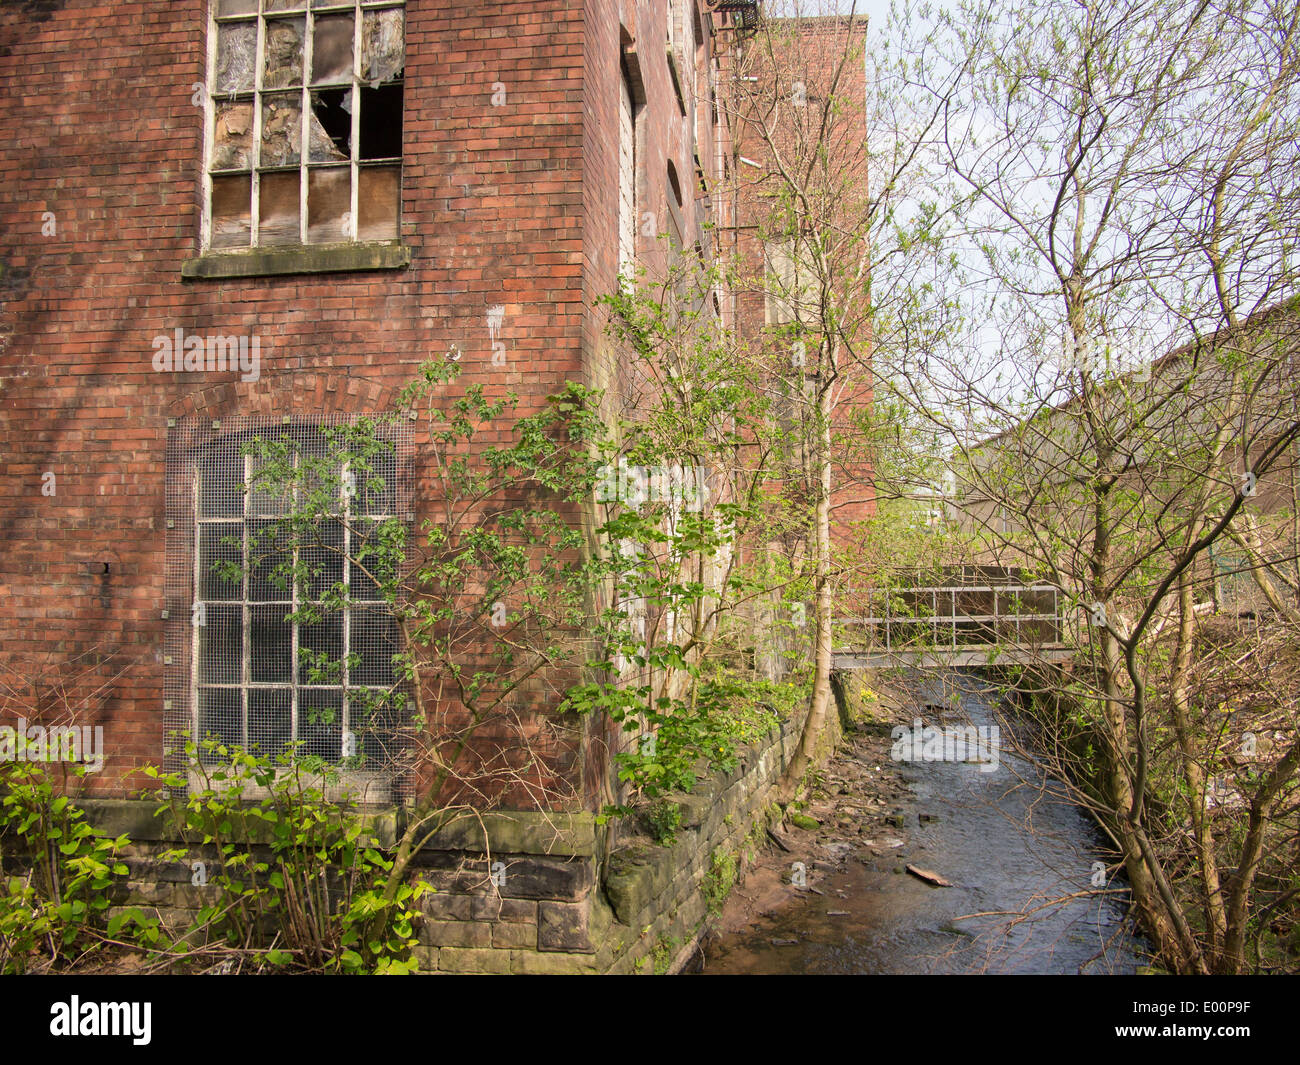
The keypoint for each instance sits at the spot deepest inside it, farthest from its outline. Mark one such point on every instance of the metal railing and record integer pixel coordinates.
(957, 618)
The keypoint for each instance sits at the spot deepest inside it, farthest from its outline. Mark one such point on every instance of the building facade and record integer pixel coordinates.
(220, 215)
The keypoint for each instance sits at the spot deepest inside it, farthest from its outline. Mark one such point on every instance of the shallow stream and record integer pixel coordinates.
(1008, 840)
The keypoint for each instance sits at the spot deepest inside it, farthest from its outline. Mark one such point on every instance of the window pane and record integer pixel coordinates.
(381, 122)
(283, 53)
(211, 551)
(321, 481)
(268, 562)
(285, 5)
(332, 49)
(236, 57)
(232, 148)
(220, 716)
(379, 195)
(237, 7)
(270, 720)
(221, 481)
(383, 45)
(320, 723)
(281, 129)
(278, 221)
(375, 639)
(323, 560)
(232, 224)
(270, 644)
(221, 644)
(377, 489)
(331, 126)
(372, 561)
(268, 498)
(323, 639)
(329, 205)
(374, 724)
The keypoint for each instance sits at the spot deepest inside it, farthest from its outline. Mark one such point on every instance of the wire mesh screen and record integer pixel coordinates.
(279, 637)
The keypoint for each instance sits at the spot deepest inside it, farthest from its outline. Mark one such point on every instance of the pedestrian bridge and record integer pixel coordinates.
(975, 616)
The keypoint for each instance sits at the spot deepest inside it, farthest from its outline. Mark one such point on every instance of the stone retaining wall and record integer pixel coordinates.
(522, 892)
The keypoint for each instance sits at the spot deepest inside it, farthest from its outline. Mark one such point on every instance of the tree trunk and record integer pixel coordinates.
(822, 620)
(1193, 771)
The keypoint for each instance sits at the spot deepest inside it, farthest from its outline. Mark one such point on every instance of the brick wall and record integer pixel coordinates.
(101, 156)
(791, 66)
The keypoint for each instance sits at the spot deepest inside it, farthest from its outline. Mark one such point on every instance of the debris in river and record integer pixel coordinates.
(928, 877)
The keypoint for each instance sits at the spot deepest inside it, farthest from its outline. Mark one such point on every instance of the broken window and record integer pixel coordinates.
(327, 74)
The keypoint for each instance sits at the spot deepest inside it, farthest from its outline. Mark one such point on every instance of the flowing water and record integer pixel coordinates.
(1008, 840)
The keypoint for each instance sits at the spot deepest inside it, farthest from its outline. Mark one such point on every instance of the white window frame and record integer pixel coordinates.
(308, 12)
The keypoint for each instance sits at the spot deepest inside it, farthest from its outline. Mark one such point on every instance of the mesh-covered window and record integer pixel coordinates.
(289, 639)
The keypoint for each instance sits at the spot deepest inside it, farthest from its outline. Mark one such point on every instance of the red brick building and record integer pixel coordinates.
(800, 144)
(176, 268)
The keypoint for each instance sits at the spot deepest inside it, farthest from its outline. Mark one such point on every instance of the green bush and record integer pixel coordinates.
(300, 884)
(54, 897)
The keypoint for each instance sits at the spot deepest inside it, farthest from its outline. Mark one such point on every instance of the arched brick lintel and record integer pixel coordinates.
(295, 392)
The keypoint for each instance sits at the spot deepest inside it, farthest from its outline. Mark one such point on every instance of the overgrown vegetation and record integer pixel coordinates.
(55, 880)
(300, 881)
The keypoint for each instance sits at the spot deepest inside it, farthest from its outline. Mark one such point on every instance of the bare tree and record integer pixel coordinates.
(834, 146)
(1130, 173)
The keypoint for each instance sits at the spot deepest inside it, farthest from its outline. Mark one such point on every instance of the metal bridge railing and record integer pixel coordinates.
(958, 617)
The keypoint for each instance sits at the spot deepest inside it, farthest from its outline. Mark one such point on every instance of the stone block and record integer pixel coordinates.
(519, 832)
(530, 962)
(563, 926)
(455, 934)
(444, 906)
(510, 911)
(530, 877)
(474, 960)
(515, 936)
(630, 889)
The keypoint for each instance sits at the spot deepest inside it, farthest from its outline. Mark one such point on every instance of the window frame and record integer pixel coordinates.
(188, 444)
(307, 11)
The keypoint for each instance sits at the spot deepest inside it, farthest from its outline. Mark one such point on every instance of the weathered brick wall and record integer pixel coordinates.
(631, 34)
(501, 205)
(795, 66)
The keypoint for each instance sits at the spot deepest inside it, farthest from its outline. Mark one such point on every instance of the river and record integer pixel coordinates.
(1008, 840)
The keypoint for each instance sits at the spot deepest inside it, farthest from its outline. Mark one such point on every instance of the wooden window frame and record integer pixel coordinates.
(350, 253)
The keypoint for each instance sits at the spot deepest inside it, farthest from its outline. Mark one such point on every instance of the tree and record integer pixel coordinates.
(844, 203)
(1129, 170)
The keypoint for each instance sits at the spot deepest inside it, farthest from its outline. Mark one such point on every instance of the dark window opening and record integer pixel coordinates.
(333, 110)
(381, 122)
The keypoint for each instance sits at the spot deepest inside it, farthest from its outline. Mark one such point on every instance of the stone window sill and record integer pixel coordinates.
(308, 259)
